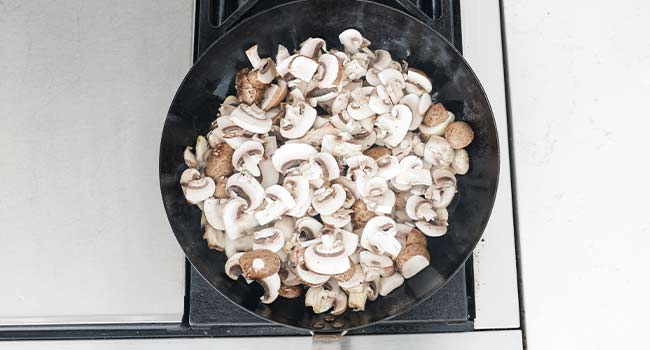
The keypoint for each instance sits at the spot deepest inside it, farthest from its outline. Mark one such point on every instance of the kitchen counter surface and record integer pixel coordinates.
(579, 79)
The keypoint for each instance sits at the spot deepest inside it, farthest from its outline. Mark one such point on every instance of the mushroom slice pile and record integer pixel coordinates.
(328, 173)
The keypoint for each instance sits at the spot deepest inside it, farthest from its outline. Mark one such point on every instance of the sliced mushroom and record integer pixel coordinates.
(321, 298)
(379, 264)
(251, 118)
(382, 204)
(245, 186)
(430, 229)
(268, 238)
(254, 57)
(215, 238)
(338, 219)
(355, 281)
(351, 40)
(291, 155)
(382, 59)
(459, 134)
(436, 119)
(219, 162)
(412, 259)
(379, 105)
(413, 103)
(362, 167)
(371, 186)
(303, 67)
(357, 300)
(359, 106)
(298, 119)
(314, 137)
(393, 128)
(327, 200)
(281, 54)
(340, 304)
(290, 292)
(460, 163)
(213, 211)
(390, 283)
(332, 71)
(412, 172)
(310, 278)
(440, 197)
(235, 219)
(233, 267)
(298, 186)
(379, 236)
(327, 257)
(266, 71)
(189, 175)
(312, 46)
(361, 214)
(339, 145)
(438, 152)
(415, 236)
(247, 157)
(199, 190)
(230, 133)
(273, 95)
(277, 201)
(418, 208)
(419, 78)
(393, 82)
(443, 178)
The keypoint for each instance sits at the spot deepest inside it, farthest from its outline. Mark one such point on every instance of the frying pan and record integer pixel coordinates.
(211, 79)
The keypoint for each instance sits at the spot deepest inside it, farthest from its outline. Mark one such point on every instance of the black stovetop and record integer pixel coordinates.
(449, 309)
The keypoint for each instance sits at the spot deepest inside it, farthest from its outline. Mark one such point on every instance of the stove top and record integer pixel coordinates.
(450, 309)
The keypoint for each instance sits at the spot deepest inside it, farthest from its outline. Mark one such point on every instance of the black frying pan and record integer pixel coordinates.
(211, 79)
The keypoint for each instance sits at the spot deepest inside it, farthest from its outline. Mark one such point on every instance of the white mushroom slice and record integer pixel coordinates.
(233, 268)
(371, 186)
(338, 219)
(329, 167)
(372, 78)
(236, 221)
(379, 236)
(355, 68)
(281, 54)
(388, 167)
(391, 75)
(382, 60)
(254, 57)
(361, 166)
(365, 138)
(350, 240)
(266, 71)
(228, 105)
(282, 67)
(343, 122)
(390, 283)
(190, 158)
(269, 238)
(189, 175)
(231, 133)
(438, 152)
(440, 198)
(437, 129)
(291, 155)
(247, 156)
(298, 119)
(273, 95)
(338, 145)
(312, 46)
(332, 71)
(351, 40)
(383, 203)
(413, 103)
(310, 278)
(199, 190)
(355, 281)
(215, 238)
(372, 263)
(357, 300)
(392, 129)
(320, 298)
(340, 304)
(359, 108)
(251, 118)
(379, 105)
(213, 210)
(443, 178)
(298, 186)
(327, 200)
(245, 186)
(418, 208)
(340, 102)
(303, 67)
(277, 201)
(327, 257)
(419, 78)
(413, 173)
(460, 163)
(424, 104)
(271, 287)
(413, 259)
(308, 229)
(431, 229)
(270, 176)
(201, 149)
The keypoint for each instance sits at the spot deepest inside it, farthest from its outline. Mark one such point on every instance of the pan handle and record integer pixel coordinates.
(326, 341)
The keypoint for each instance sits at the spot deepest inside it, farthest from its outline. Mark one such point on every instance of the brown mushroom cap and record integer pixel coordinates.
(415, 237)
(435, 115)
(459, 134)
(219, 162)
(361, 214)
(377, 152)
(270, 259)
(290, 292)
(249, 89)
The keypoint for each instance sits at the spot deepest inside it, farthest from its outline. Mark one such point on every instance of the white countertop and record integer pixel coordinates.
(579, 82)
(84, 91)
